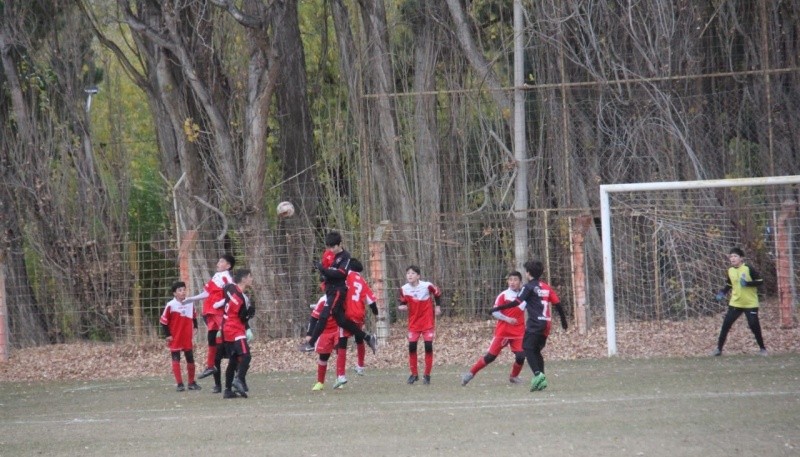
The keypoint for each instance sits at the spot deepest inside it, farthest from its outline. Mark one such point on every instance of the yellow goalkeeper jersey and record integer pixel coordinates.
(744, 296)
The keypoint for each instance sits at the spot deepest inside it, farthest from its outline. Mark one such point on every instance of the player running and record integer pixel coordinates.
(508, 332)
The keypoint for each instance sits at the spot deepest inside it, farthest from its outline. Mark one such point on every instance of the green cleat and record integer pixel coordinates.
(539, 382)
(318, 386)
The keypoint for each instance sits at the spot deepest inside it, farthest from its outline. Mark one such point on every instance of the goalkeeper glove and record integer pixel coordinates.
(720, 296)
(743, 281)
(249, 335)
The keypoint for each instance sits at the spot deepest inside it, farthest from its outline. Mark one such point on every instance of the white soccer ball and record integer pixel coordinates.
(285, 209)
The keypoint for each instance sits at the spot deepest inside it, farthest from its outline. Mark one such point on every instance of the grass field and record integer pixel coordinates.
(724, 406)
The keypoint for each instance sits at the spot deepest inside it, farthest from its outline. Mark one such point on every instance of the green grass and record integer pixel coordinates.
(720, 406)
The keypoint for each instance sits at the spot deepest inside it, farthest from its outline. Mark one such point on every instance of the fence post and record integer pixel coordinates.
(3, 311)
(377, 274)
(578, 238)
(784, 263)
(184, 249)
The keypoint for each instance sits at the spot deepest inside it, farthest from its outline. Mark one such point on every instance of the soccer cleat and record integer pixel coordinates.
(340, 382)
(318, 386)
(216, 389)
(515, 380)
(180, 388)
(412, 379)
(238, 387)
(372, 342)
(244, 384)
(206, 373)
(305, 347)
(716, 352)
(426, 379)
(359, 370)
(539, 382)
(193, 386)
(466, 378)
(763, 352)
(228, 394)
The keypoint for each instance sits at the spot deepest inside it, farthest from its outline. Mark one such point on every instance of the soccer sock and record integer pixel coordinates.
(428, 362)
(176, 370)
(516, 369)
(212, 354)
(361, 350)
(322, 368)
(412, 363)
(341, 361)
(190, 370)
(478, 366)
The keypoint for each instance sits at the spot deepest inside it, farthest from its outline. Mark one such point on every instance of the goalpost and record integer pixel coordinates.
(668, 250)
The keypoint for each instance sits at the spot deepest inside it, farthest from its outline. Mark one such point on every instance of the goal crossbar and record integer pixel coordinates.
(605, 220)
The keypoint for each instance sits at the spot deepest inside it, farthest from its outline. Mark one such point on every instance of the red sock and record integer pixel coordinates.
(479, 365)
(212, 354)
(515, 369)
(341, 361)
(412, 363)
(322, 368)
(428, 363)
(190, 369)
(361, 350)
(176, 370)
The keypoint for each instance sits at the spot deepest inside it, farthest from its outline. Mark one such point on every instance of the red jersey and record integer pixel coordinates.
(214, 288)
(549, 298)
(359, 296)
(179, 319)
(234, 324)
(420, 301)
(330, 324)
(504, 329)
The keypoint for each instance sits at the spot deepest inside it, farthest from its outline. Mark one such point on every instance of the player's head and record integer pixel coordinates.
(412, 274)
(177, 285)
(514, 280)
(534, 268)
(736, 257)
(355, 265)
(243, 276)
(333, 239)
(226, 262)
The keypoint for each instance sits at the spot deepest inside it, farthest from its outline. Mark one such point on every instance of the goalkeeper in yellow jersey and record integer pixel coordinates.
(742, 282)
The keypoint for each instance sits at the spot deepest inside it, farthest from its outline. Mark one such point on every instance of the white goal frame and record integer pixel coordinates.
(605, 220)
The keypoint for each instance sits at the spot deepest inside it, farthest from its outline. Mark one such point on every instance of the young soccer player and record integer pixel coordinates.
(212, 294)
(418, 297)
(178, 322)
(325, 343)
(236, 333)
(742, 281)
(359, 296)
(334, 280)
(539, 298)
(508, 332)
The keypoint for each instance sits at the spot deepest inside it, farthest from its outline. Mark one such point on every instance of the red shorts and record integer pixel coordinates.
(427, 335)
(497, 344)
(213, 321)
(327, 342)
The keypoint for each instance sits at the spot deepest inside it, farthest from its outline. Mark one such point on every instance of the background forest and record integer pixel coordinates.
(131, 127)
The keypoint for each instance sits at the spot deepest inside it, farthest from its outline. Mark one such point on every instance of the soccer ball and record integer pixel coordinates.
(285, 209)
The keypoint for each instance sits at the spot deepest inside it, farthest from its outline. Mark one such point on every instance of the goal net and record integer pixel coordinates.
(665, 245)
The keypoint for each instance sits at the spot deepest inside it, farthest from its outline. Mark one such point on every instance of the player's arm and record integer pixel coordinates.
(561, 314)
(522, 297)
(502, 317)
(201, 296)
(755, 278)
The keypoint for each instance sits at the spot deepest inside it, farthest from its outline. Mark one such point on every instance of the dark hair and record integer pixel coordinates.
(332, 239)
(737, 251)
(177, 285)
(230, 259)
(534, 268)
(415, 268)
(355, 265)
(240, 274)
(515, 273)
